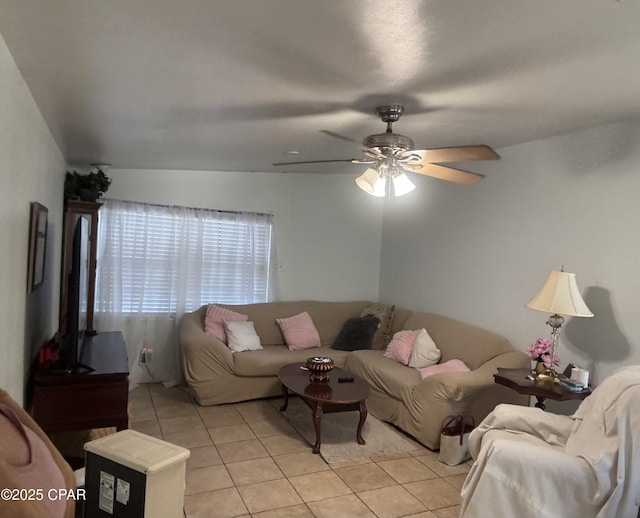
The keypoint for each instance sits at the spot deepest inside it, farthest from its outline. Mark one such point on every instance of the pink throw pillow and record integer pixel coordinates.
(215, 319)
(401, 345)
(299, 332)
(450, 366)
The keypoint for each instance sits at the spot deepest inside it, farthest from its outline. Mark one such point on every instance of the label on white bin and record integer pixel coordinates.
(105, 501)
(123, 490)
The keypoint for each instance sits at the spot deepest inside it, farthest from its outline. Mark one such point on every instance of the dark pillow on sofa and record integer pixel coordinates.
(357, 333)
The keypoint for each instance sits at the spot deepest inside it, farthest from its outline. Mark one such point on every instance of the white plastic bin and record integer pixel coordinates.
(132, 475)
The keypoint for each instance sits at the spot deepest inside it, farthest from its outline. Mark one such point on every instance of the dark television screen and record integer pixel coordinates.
(76, 298)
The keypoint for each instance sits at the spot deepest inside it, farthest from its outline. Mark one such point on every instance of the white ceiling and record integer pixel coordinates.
(235, 84)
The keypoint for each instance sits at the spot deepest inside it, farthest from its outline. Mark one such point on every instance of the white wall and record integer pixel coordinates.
(327, 231)
(480, 253)
(31, 169)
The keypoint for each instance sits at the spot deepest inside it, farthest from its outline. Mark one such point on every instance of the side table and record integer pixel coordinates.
(517, 380)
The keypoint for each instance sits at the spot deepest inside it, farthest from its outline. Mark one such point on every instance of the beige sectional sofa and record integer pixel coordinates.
(215, 375)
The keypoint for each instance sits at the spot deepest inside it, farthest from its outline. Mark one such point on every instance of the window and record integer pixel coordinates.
(157, 259)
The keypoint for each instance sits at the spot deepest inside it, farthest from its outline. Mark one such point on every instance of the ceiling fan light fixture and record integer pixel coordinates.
(367, 181)
(380, 187)
(402, 185)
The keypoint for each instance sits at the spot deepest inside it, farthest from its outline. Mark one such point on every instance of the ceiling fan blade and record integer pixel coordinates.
(454, 154)
(339, 136)
(350, 160)
(370, 152)
(445, 173)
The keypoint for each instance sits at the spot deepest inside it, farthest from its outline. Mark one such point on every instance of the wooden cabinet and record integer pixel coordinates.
(74, 210)
(68, 396)
(79, 401)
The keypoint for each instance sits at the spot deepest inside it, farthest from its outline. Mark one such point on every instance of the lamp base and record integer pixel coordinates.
(548, 375)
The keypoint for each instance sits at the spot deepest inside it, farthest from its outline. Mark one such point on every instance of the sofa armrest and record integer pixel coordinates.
(202, 354)
(459, 386)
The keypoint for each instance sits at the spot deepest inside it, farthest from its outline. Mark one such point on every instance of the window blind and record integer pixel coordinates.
(157, 259)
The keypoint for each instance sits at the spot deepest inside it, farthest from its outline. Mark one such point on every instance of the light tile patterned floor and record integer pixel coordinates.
(247, 461)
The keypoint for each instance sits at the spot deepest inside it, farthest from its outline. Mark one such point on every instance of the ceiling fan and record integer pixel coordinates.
(390, 155)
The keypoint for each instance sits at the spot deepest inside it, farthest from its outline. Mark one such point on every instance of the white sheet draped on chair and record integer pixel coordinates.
(193, 271)
(533, 464)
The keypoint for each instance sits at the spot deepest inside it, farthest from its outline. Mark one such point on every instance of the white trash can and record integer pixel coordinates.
(132, 475)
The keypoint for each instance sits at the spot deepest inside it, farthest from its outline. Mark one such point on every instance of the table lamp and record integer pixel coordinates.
(559, 295)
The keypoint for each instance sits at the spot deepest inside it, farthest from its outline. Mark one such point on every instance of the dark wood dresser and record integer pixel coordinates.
(85, 400)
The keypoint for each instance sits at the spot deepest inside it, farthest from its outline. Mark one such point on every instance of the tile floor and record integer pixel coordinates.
(247, 461)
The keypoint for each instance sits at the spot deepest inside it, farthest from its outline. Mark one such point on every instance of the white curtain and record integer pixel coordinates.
(156, 262)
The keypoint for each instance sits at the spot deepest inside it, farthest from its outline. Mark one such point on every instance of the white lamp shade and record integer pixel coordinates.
(402, 185)
(559, 294)
(380, 187)
(367, 180)
(372, 183)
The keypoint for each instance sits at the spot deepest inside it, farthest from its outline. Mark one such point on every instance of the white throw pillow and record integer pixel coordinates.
(241, 336)
(425, 352)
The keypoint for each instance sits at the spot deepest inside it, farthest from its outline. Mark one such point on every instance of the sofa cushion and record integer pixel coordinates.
(267, 361)
(471, 344)
(357, 333)
(400, 316)
(215, 318)
(241, 336)
(401, 345)
(425, 352)
(385, 314)
(328, 317)
(299, 332)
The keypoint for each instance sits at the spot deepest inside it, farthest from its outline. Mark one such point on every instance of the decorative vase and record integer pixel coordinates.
(319, 368)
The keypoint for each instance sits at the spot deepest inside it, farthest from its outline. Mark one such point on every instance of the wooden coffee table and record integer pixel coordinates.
(324, 397)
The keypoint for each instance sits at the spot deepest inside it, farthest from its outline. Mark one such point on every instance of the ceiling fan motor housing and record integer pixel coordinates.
(388, 141)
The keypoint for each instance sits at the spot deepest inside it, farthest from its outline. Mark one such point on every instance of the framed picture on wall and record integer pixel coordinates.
(37, 245)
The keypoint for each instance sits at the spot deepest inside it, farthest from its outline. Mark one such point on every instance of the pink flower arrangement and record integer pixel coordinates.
(540, 351)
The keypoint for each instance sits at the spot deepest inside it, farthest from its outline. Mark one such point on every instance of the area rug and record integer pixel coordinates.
(338, 437)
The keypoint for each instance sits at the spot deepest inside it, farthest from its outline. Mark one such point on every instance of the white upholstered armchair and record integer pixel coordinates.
(530, 463)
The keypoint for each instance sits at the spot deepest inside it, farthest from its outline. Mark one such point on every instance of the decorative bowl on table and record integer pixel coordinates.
(319, 368)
